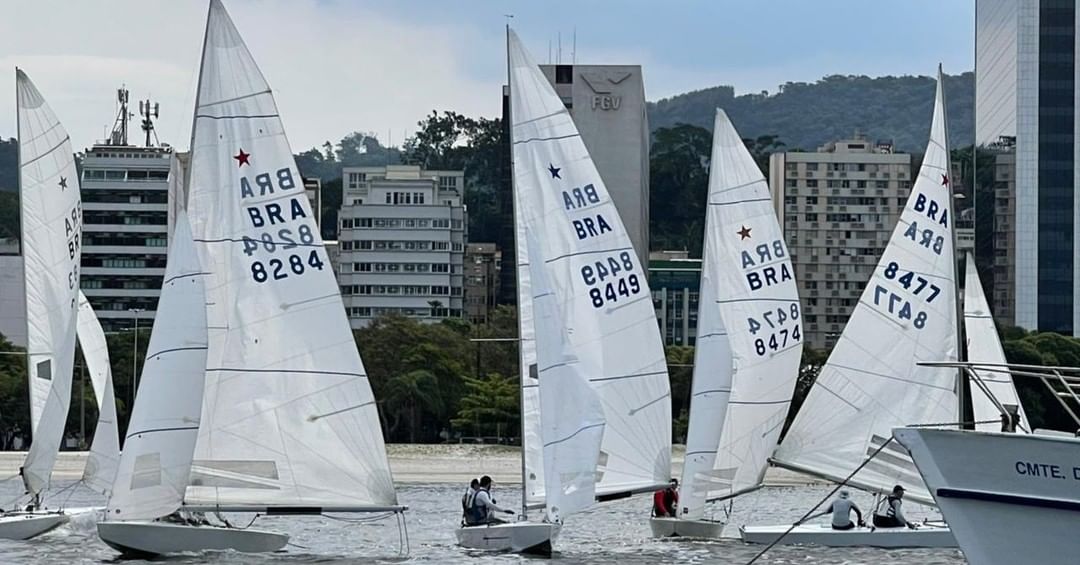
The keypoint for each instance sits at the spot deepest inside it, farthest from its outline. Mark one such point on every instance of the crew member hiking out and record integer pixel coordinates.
(894, 512)
(841, 512)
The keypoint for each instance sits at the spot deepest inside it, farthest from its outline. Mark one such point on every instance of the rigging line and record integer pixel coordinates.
(238, 116)
(822, 501)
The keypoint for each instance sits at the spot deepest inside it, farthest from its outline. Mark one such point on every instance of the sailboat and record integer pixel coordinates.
(51, 211)
(586, 322)
(993, 391)
(749, 341)
(104, 456)
(288, 422)
(872, 381)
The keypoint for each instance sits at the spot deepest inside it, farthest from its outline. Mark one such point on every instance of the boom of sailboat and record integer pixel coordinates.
(254, 398)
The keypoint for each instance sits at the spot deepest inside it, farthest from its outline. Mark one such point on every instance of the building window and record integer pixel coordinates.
(564, 74)
(356, 179)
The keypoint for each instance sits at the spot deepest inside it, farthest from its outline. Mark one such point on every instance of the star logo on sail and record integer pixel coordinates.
(242, 158)
(944, 180)
(554, 171)
(63, 183)
(744, 233)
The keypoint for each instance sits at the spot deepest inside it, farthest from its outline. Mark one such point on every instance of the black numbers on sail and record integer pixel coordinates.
(909, 279)
(898, 306)
(781, 326)
(611, 278)
(284, 239)
(277, 269)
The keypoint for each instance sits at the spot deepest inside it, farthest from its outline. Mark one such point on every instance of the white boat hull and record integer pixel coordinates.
(516, 537)
(25, 525)
(824, 535)
(160, 538)
(1010, 498)
(680, 528)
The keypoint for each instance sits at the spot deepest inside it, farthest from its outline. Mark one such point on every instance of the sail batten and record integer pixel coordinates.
(51, 212)
(586, 320)
(288, 417)
(872, 381)
(747, 354)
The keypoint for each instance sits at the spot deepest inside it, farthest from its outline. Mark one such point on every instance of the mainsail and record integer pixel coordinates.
(602, 295)
(100, 470)
(156, 463)
(749, 340)
(51, 235)
(288, 419)
(984, 346)
(906, 315)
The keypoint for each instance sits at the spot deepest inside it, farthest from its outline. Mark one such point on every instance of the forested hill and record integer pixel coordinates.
(808, 115)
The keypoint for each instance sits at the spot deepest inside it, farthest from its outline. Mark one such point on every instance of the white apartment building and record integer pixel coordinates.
(401, 243)
(838, 207)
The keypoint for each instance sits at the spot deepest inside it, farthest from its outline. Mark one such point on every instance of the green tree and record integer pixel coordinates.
(761, 148)
(809, 367)
(680, 365)
(490, 406)
(678, 183)
(14, 396)
(411, 393)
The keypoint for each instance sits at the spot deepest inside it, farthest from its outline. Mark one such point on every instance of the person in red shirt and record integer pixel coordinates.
(666, 501)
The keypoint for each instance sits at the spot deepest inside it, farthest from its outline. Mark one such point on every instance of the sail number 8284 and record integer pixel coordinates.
(605, 282)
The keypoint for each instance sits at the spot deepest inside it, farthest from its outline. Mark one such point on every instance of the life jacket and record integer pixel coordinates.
(476, 514)
(659, 503)
(890, 510)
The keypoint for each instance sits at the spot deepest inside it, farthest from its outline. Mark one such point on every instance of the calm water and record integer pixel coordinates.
(616, 532)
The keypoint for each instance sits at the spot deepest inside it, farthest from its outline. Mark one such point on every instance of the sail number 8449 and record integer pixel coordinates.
(603, 276)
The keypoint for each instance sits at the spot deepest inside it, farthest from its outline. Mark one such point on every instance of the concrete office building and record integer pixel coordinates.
(837, 207)
(12, 293)
(675, 281)
(607, 103)
(1026, 90)
(401, 243)
(483, 262)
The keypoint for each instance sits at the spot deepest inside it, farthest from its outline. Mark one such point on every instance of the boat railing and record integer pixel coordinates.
(1062, 382)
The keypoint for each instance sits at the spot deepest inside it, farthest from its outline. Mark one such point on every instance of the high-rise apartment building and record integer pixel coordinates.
(607, 104)
(675, 281)
(483, 261)
(837, 207)
(401, 243)
(1026, 90)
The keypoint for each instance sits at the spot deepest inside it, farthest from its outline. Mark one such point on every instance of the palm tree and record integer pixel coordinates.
(411, 392)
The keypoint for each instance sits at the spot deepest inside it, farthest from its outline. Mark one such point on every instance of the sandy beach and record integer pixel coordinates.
(417, 464)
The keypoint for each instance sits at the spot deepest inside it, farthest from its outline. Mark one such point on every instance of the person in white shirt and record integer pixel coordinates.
(841, 512)
(484, 507)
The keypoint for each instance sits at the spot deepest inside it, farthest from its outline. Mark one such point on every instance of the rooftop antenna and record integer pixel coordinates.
(558, 54)
(573, 50)
(149, 113)
(119, 135)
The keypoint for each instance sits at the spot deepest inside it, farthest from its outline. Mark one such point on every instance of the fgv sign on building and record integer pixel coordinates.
(602, 84)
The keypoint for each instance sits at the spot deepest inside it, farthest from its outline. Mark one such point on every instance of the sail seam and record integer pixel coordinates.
(238, 116)
(630, 376)
(300, 371)
(236, 98)
(556, 138)
(178, 277)
(163, 351)
(592, 252)
(740, 201)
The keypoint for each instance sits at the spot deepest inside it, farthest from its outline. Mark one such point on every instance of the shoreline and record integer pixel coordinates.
(422, 464)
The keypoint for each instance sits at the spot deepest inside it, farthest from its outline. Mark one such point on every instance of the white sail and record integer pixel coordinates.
(906, 315)
(602, 292)
(52, 234)
(572, 416)
(749, 332)
(100, 470)
(156, 463)
(289, 418)
(984, 346)
(532, 444)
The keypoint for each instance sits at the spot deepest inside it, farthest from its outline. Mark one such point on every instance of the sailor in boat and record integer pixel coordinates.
(841, 512)
(666, 501)
(467, 501)
(894, 513)
(483, 508)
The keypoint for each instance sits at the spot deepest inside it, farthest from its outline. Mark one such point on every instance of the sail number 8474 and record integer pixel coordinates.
(779, 336)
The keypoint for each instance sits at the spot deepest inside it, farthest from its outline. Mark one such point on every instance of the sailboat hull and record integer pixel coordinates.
(519, 537)
(680, 528)
(157, 538)
(1011, 498)
(824, 535)
(25, 525)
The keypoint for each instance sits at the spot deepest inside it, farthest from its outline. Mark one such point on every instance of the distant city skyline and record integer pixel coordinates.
(380, 66)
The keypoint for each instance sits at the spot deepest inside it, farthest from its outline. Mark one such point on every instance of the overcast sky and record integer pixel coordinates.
(379, 66)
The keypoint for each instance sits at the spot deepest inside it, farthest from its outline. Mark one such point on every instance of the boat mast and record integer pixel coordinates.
(961, 378)
(517, 278)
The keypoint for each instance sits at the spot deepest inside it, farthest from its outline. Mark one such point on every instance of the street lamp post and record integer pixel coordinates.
(135, 357)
